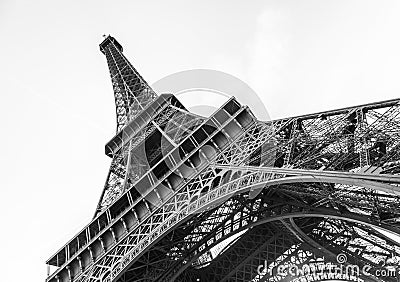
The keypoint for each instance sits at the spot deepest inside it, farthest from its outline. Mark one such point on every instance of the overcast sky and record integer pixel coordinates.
(57, 106)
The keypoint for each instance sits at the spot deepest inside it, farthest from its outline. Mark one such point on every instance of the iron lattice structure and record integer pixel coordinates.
(190, 198)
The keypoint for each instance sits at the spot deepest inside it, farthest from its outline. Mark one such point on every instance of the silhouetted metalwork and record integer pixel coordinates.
(190, 198)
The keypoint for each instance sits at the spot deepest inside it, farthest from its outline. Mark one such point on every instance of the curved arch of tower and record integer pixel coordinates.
(232, 198)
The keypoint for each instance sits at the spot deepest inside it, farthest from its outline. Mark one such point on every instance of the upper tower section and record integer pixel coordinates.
(110, 40)
(132, 93)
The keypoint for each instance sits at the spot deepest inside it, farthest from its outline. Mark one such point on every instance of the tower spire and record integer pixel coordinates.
(131, 92)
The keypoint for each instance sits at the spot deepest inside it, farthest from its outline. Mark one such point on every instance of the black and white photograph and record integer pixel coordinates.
(188, 141)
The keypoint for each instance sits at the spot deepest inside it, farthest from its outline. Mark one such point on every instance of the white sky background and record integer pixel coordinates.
(57, 106)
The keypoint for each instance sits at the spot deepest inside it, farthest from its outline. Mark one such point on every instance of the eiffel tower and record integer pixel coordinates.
(190, 198)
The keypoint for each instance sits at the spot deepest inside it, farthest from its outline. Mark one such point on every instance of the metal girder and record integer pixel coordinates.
(218, 232)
